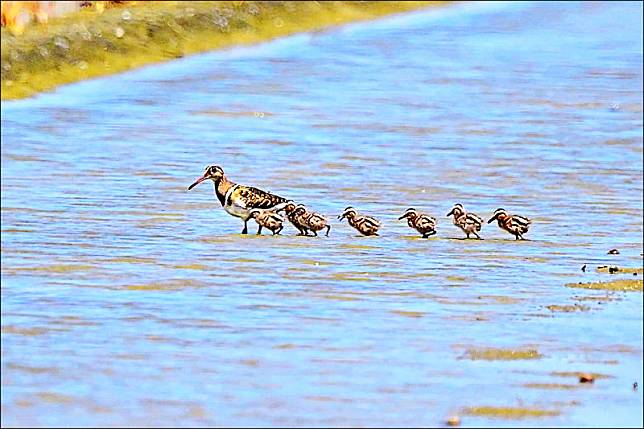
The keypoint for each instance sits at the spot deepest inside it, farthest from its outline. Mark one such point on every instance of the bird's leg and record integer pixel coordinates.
(245, 230)
(328, 229)
(477, 236)
(278, 231)
(315, 233)
(259, 229)
(467, 235)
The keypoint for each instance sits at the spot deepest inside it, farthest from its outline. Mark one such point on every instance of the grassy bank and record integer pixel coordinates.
(89, 44)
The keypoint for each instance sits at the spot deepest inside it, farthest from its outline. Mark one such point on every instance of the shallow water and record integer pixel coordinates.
(127, 300)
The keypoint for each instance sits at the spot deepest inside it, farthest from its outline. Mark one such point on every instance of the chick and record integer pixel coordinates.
(365, 225)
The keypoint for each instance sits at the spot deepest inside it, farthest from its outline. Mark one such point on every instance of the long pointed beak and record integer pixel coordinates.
(402, 217)
(450, 213)
(198, 181)
(340, 217)
(491, 219)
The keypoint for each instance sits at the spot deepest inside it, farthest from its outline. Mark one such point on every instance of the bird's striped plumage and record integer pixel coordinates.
(365, 225)
(514, 224)
(239, 200)
(469, 223)
(424, 224)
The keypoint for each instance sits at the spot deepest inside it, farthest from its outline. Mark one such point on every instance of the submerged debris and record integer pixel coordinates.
(579, 374)
(453, 421)
(612, 269)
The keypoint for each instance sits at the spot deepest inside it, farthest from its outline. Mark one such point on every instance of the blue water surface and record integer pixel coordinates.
(127, 300)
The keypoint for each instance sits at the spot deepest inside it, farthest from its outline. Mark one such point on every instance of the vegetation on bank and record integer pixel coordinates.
(92, 43)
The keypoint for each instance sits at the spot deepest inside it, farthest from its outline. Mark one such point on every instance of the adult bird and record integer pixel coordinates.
(239, 200)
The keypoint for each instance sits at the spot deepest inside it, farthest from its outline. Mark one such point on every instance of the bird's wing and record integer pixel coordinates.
(317, 218)
(425, 221)
(521, 220)
(472, 218)
(373, 220)
(369, 221)
(253, 198)
(520, 224)
(276, 217)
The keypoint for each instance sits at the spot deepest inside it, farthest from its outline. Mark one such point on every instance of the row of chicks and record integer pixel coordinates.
(306, 221)
(301, 218)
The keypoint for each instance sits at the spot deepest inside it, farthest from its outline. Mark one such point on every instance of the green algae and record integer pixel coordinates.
(567, 308)
(553, 386)
(599, 298)
(502, 354)
(32, 369)
(132, 260)
(57, 268)
(500, 299)
(408, 313)
(55, 398)
(623, 285)
(164, 286)
(199, 267)
(509, 412)
(577, 374)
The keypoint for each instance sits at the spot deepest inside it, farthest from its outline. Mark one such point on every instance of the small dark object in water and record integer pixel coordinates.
(635, 386)
(634, 274)
(612, 270)
(583, 268)
(453, 421)
(586, 378)
(613, 252)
